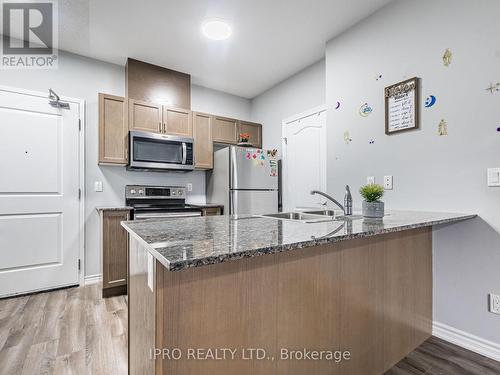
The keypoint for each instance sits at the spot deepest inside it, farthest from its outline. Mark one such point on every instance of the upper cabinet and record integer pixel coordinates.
(156, 84)
(203, 144)
(113, 130)
(225, 130)
(253, 130)
(118, 115)
(177, 122)
(144, 116)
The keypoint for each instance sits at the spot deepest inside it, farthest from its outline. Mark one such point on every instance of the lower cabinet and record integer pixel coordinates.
(114, 246)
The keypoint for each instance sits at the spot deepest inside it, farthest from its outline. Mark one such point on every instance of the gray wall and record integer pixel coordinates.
(302, 91)
(406, 39)
(83, 78)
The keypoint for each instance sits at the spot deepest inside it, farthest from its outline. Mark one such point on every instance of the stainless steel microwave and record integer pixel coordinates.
(152, 151)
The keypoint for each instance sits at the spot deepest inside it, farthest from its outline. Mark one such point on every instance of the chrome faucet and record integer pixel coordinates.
(347, 210)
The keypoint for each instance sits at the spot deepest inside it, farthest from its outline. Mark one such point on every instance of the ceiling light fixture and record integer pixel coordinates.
(216, 29)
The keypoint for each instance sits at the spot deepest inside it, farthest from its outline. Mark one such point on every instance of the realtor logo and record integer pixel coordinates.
(29, 34)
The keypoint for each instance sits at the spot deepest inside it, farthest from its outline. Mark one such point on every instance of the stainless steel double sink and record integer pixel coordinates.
(311, 216)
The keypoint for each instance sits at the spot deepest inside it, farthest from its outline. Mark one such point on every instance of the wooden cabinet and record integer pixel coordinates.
(118, 115)
(203, 141)
(211, 211)
(254, 130)
(225, 130)
(177, 121)
(113, 130)
(144, 116)
(114, 246)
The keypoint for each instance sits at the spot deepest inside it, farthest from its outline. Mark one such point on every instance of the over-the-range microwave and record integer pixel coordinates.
(160, 152)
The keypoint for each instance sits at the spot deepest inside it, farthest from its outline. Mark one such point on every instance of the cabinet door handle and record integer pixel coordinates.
(159, 126)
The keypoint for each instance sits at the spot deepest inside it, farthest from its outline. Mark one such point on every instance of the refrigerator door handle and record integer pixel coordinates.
(233, 202)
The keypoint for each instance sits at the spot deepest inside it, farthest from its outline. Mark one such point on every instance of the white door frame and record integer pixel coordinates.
(81, 173)
(284, 124)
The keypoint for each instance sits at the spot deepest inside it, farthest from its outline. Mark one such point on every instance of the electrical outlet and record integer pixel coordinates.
(370, 180)
(190, 187)
(494, 303)
(388, 182)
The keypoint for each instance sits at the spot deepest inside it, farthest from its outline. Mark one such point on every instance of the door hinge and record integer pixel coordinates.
(285, 139)
(79, 125)
(79, 194)
(79, 265)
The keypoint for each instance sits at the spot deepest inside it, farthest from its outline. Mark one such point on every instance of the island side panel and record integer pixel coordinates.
(407, 293)
(141, 310)
(386, 303)
(370, 296)
(228, 305)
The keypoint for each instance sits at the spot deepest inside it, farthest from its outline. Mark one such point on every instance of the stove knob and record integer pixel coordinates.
(141, 192)
(173, 192)
(181, 192)
(132, 191)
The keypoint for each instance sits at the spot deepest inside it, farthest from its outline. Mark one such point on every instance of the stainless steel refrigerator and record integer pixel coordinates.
(245, 180)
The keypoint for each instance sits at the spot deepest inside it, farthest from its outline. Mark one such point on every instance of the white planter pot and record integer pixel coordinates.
(373, 209)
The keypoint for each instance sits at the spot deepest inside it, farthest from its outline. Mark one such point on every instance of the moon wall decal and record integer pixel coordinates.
(338, 105)
(430, 101)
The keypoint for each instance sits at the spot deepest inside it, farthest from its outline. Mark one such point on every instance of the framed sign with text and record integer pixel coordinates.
(401, 106)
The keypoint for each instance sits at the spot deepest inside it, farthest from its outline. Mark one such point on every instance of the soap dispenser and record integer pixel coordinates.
(347, 201)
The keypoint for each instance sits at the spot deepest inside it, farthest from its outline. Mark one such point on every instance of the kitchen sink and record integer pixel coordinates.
(312, 216)
(321, 212)
(299, 216)
(332, 213)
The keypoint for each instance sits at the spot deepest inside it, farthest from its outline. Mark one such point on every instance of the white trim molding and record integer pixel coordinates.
(93, 279)
(466, 340)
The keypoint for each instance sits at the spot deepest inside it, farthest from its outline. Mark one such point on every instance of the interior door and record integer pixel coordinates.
(305, 160)
(39, 197)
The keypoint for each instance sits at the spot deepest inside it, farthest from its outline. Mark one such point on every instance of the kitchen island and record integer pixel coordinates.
(253, 295)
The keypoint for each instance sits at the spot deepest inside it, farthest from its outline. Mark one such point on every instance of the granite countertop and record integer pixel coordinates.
(113, 208)
(192, 242)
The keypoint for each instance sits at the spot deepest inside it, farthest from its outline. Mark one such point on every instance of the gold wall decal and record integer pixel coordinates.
(443, 128)
(447, 57)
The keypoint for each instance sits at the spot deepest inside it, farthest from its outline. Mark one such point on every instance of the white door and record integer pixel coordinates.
(39, 200)
(304, 159)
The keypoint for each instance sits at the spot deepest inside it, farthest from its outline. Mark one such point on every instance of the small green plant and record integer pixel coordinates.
(372, 192)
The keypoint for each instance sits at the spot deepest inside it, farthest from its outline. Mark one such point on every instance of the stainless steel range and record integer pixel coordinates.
(155, 202)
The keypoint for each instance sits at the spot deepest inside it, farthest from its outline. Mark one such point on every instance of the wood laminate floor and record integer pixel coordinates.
(75, 331)
(68, 331)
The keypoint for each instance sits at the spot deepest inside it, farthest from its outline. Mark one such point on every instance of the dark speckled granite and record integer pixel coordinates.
(194, 242)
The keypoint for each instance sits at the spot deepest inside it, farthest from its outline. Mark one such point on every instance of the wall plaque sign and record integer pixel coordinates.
(401, 106)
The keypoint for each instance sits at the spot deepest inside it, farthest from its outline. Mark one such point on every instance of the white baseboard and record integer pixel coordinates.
(466, 340)
(93, 279)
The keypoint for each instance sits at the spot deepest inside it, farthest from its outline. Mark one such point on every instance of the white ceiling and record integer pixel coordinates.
(272, 39)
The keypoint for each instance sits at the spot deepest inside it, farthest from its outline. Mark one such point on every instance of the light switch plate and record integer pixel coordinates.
(493, 177)
(190, 187)
(98, 186)
(388, 182)
(370, 180)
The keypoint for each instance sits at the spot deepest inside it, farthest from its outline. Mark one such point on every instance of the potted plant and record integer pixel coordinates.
(244, 138)
(372, 206)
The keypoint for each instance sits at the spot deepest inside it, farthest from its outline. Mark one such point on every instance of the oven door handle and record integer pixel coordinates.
(166, 215)
(184, 152)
